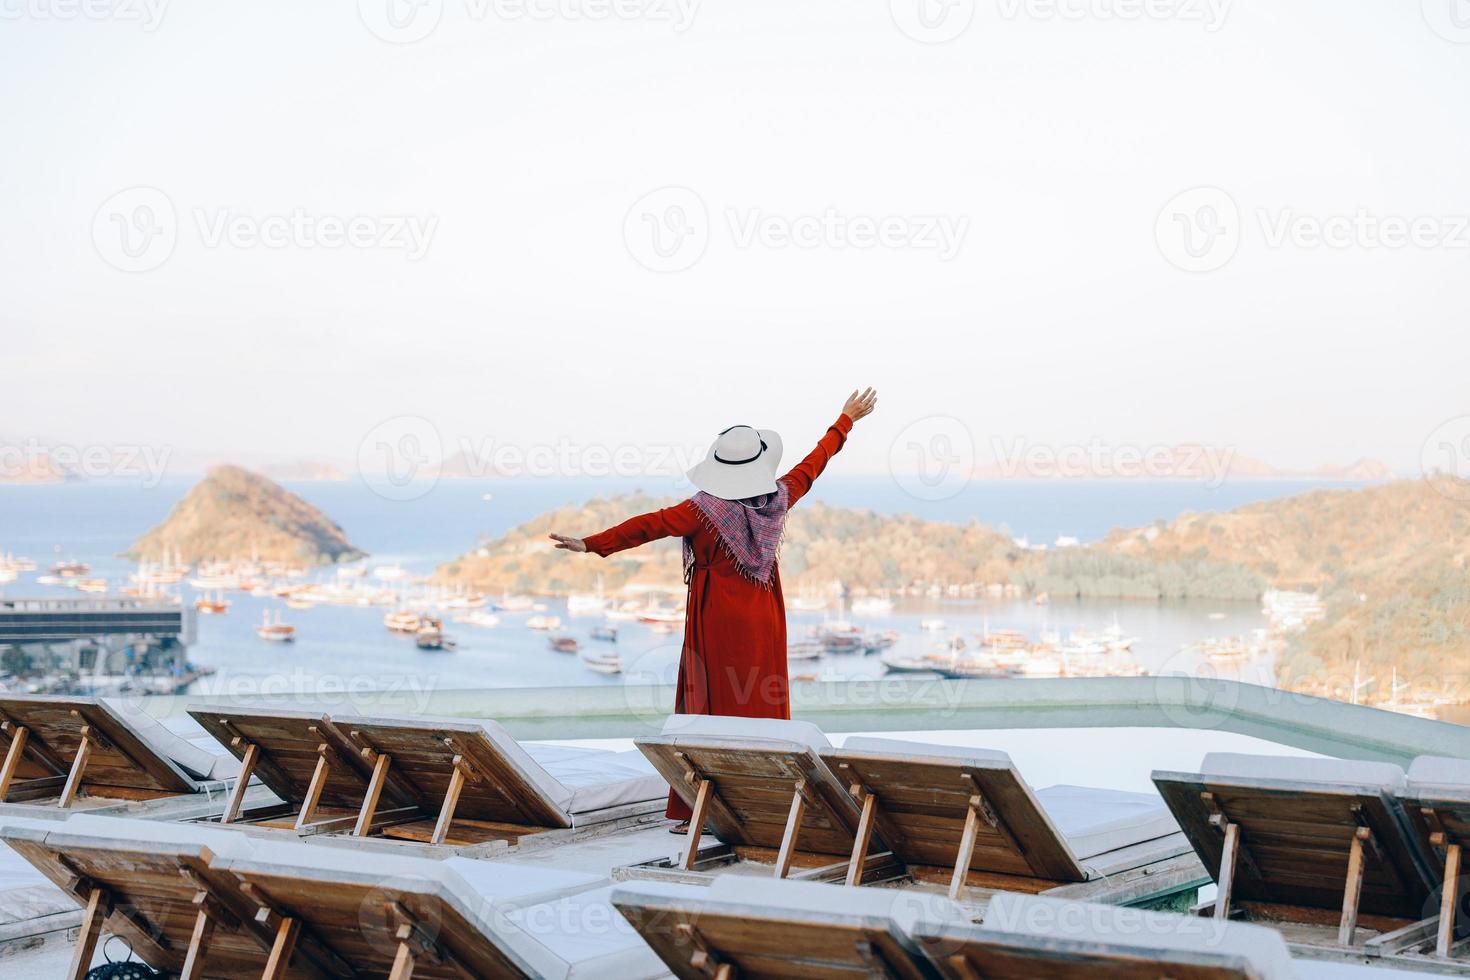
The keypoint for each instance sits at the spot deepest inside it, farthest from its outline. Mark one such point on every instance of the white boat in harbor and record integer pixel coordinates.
(872, 606)
(403, 621)
(275, 631)
(932, 625)
(514, 603)
(603, 663)
(544, 623)
(803, 650)
(586, 604)
(481, 618)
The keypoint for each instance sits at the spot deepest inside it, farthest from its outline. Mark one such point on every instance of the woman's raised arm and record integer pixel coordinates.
(801, 476)
(676, 521)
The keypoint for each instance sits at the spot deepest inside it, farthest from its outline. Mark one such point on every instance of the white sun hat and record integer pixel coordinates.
(742, 463)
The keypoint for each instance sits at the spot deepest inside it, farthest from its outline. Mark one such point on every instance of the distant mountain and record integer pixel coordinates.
(304, 470)
(234, 513)
(33, 468)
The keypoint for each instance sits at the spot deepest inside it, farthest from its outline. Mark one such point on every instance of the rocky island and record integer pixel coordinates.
(234, 513)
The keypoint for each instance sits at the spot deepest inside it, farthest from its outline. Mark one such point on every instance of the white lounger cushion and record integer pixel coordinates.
(1436, 775)
(722, 726)
(1096, 821)
(186, 755)
(900, 746)
(220, 763)
(1384, 776)
(597, 779)
(1047, 918)
(579, 936)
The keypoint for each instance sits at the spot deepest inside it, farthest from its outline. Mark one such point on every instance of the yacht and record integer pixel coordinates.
(275, 631)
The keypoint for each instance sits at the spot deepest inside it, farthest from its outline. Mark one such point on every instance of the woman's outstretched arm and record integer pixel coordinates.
(799, 480)
(676, 521)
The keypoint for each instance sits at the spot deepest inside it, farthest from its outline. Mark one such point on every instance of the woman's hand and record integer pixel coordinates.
(565, 543)
(859, 405)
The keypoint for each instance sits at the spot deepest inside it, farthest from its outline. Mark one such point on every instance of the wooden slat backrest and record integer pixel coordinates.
(753, 782)
(152, 887)
(118, 756)
(763, 944)
(423, 762)
(288, 747)
(922, 803)
(356, 917)
(1295, 837)
(960, 953)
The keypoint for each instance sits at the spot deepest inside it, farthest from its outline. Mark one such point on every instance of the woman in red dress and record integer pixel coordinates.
(734, 658)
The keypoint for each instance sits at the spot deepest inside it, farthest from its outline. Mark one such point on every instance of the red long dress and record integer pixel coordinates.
(734, 659)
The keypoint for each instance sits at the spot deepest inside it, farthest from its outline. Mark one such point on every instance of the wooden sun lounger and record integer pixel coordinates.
(177, 912)
(764, 796)
(1315, 852)
(1436, 802)
(452, 771)
(61, 747)
(700, 939)
(309, 763)
(976, 817)
(399, 927)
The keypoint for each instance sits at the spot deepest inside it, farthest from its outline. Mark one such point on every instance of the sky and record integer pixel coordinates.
(271, 230)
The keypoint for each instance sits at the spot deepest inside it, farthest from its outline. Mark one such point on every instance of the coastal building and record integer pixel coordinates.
(96, 645)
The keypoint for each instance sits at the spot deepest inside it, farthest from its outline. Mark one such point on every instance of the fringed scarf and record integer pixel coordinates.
(750, 533)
